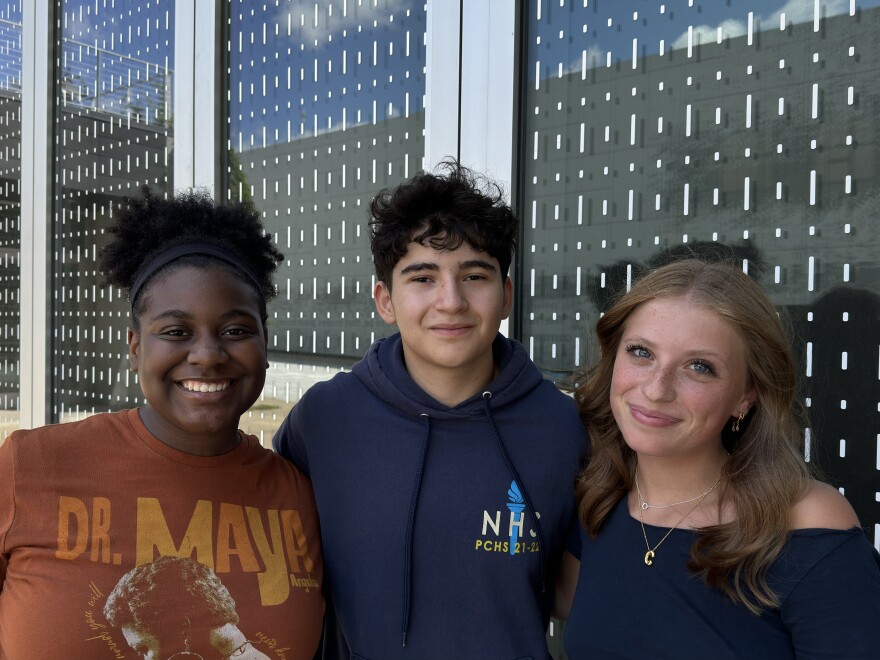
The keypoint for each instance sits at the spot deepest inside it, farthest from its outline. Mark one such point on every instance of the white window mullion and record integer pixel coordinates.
(36, 210)
(442, 38)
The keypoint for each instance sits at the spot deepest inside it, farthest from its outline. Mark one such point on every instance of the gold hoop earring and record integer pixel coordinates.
(735, 426)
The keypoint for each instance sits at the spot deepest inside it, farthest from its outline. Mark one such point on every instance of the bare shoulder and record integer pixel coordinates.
(824, 507)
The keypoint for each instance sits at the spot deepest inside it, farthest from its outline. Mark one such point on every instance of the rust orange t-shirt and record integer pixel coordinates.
(114, 545)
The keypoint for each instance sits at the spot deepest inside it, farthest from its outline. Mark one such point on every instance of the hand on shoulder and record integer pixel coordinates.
(823, 507)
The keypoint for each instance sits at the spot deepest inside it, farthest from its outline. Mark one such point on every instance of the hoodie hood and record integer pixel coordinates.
(383, 371)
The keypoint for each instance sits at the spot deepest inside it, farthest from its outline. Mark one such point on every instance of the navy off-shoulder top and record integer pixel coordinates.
(828, 582)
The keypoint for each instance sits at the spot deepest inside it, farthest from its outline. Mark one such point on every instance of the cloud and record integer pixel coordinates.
(593, 57)
(801, 11)
(320, 24)
(795, 11)
(708, 34)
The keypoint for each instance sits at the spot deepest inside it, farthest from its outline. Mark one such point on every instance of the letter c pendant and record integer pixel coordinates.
(649, 557)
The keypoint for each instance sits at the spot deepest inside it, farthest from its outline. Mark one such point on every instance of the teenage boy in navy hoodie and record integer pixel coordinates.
(444, 463)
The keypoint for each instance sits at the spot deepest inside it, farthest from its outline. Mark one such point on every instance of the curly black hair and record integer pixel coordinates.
(443, 211)
(149, 225)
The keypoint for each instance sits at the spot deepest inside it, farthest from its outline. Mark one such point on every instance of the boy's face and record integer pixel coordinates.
(448, 306)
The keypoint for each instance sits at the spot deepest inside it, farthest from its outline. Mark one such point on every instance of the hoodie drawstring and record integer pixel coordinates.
(410, 526)
(413, 506)
(522, 487)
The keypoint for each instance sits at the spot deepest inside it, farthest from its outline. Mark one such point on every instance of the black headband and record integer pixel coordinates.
(186, 249)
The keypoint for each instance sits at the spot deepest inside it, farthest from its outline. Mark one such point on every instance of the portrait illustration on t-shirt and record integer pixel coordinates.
(176, 607)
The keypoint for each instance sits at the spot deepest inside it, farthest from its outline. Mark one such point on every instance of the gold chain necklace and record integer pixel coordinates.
(650, 554)
(643, 503)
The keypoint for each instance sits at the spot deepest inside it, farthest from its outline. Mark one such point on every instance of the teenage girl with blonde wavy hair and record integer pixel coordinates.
(703, 533)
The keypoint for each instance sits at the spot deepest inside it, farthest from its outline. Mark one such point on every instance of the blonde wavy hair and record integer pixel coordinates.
(765, 475)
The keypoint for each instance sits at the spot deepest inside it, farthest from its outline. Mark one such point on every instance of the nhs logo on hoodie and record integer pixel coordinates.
(504, 530)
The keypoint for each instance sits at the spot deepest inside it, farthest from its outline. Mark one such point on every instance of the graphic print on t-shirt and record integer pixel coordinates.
(179, 597)
(176, 606)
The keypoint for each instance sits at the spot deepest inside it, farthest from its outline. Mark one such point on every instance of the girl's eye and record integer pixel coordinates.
(702, 367)
(638, 351)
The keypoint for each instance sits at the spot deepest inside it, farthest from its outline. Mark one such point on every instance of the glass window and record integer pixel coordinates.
(113, 134)
(10, 211)
(326, 107)
(654, 127)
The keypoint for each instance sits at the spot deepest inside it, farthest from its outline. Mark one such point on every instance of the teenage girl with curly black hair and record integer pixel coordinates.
(84, 503)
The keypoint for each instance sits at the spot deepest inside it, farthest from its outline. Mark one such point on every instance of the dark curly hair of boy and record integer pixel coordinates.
(442, 211)
(149, 225)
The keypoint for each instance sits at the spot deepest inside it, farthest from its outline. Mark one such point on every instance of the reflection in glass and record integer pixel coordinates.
(113, 134)
(10, 212)
(325, 109)
(652, 127)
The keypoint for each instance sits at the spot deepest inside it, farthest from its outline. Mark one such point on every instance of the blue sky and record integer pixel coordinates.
(343, 63)
(299, 68)
(567, 31)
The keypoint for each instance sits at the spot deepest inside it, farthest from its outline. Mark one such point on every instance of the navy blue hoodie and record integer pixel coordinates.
(428, 513)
